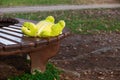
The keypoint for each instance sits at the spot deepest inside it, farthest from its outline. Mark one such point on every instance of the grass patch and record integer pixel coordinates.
(6, 3)
(51, 73)
(81, 21)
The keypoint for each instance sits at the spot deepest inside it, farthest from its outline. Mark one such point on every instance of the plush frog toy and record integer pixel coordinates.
(44, 28)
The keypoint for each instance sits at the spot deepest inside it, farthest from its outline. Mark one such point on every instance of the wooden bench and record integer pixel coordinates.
(12, 41)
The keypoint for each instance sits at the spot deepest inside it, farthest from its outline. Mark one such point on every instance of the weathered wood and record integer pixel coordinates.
(13, 41)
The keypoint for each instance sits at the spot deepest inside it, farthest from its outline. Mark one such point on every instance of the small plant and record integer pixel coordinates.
(51, 73)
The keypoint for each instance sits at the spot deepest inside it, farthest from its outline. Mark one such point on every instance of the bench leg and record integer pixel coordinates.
(40, 58)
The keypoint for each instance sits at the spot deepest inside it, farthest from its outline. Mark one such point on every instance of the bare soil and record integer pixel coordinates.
(96, 1)
(106, 1)
(90, 57)
(82, 57)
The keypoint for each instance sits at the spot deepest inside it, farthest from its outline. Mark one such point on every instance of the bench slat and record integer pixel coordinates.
(6, 42)
(11, 33)
(12, 29)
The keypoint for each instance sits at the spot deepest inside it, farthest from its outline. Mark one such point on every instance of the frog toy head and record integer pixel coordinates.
(29, 29)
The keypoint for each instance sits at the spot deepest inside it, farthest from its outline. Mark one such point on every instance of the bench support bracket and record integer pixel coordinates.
(40, 58)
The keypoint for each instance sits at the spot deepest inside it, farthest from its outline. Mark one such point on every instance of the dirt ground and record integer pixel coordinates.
(90, 57)
(106, 1)
(95, 1)
(82, 57)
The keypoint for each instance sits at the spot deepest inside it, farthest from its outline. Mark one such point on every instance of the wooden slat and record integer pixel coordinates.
(15, 27)
(10, 37)
(11, 33)
(12, 29)
(6, 42)
(18, 25)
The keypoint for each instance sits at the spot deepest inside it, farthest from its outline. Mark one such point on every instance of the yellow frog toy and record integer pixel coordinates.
(44, 28)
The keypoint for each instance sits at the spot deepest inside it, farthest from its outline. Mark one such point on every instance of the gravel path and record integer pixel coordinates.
(55, 7)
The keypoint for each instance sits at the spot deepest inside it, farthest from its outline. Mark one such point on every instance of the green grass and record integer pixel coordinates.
(5, 3)
(81, 21)
(51, 73)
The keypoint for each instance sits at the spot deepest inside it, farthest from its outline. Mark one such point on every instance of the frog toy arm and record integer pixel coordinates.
(55, 30)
